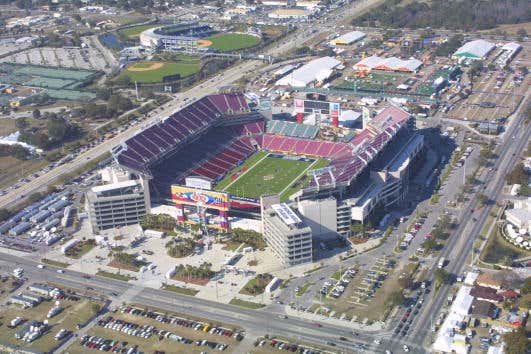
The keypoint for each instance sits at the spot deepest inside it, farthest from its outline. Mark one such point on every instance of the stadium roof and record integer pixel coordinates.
(317, 69)
(392, 63)
(477, 49)
(512, 46)
(348, 38)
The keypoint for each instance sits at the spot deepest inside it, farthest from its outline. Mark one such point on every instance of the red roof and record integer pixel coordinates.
(509, 294)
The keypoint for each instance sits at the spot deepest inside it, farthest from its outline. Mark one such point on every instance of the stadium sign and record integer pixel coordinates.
(198, 182)
(199, 197)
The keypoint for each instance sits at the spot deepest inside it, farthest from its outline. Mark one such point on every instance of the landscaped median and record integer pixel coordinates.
(55, 263)
(117, 276)
(179, 289)
(246, 304)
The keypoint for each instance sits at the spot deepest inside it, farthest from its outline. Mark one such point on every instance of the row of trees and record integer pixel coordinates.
(160, 222)
(249, 237)
(520, 176)
(16, 151)
(116, 105)
(204, 271)
(180, 247)
(58, 130)
(452, 14)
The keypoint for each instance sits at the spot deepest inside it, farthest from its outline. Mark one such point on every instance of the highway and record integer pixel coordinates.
(460, 244)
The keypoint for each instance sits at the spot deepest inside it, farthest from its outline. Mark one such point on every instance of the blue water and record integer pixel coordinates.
(111, 40)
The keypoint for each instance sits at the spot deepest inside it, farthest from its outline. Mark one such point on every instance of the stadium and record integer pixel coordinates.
(220, 140)
(195, 37)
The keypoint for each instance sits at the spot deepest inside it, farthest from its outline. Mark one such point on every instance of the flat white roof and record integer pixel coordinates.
(392, 63)
(319, 68)
(112, 186)
(478, 48)
(286, 214)
(350, 37)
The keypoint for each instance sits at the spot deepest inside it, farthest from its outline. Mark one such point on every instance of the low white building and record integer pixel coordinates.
(520, 215)
(316, 70)
(474, 50)
(448, 341)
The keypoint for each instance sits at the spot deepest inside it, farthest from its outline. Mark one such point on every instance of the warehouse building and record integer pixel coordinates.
(317, 70)
(348, 38)
(117, 204)
(287, 235)
(474, 50)
(388, 64)
(293, 14)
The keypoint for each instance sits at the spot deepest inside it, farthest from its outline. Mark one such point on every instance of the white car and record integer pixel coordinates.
(60, 271)
(377, 341)
(40, 266)
(406, 348)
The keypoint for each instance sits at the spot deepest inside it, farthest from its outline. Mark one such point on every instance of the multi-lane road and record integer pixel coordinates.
(256, 322)
(460, 245)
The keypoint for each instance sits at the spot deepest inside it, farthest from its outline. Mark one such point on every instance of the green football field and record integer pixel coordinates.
(267, 176)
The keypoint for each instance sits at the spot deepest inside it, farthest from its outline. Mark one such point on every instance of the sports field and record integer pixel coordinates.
(227, 42)
(270, 173)
(152, 72)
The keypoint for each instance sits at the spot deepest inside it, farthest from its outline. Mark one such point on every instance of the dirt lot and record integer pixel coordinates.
(74, 312)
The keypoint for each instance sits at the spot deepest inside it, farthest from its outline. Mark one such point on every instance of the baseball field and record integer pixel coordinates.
(153, 72)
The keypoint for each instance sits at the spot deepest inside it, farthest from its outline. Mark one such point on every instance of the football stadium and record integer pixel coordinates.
(221, 141)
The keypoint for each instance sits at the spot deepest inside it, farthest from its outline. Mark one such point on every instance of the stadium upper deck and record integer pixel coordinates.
(221, 131)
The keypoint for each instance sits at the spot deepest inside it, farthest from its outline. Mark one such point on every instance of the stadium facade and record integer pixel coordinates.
(211, 137)
(175, 37)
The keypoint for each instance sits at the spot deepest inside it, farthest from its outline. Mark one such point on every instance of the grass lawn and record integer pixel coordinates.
(246, 304)
(80, 249)
(180, 290)
(270, 175)
(123, 277)
(74, 312)
(55, 263)
(12, 169)
(303, 289)
(257, 285)
(227, 42)
(156, 75)
(498, 250)
(135, 31)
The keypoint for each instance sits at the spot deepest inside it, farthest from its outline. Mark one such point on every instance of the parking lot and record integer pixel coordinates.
(131, 329)
(80, 58)
(53, 317)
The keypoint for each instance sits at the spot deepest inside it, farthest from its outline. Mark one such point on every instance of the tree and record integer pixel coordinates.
(526, 288)
(430, 244)
(5, 214)
(482, 199)
(442, 276)
(21, 123)
(36, 114)
(516, 342)
(57, 128)
(395, 298)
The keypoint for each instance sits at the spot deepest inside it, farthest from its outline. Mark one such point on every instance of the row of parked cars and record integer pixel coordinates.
(107, 345)
(196, 325)
(290, 347)
(146, 331)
